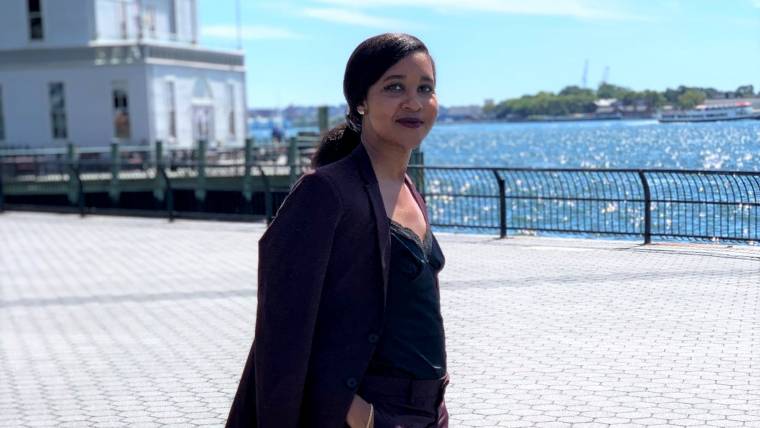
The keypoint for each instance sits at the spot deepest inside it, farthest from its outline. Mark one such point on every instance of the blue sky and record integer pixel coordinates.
(296, 50)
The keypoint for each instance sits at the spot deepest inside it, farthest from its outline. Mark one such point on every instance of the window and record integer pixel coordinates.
(58, 110)
(120, 100)
(173, 19)
(123, 26)
(150, 20)
(231, 109)
(171, 110)
(34, 11)
(2, 119)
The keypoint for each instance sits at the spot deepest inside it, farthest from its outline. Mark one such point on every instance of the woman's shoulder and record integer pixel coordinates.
(342, 175)
(317, 184)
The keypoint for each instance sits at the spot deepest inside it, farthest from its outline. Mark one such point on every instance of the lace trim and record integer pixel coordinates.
(424, 245)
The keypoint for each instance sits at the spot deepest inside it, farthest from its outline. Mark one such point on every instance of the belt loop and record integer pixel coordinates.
(410, 391)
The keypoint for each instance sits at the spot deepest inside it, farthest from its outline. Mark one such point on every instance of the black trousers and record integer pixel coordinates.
(406, 403)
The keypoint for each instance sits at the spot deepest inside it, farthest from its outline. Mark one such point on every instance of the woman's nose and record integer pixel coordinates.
(412, 103)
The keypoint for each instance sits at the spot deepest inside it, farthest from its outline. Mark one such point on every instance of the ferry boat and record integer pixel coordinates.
(711, 113)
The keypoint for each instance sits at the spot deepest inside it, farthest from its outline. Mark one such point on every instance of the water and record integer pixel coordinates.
(727, 146)
(594, 144)
(611, 203)
(598, 144)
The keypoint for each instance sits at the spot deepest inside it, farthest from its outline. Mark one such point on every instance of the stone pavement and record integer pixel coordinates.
(114, 321)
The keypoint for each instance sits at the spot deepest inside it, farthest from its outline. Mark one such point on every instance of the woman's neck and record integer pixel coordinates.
(388, 160)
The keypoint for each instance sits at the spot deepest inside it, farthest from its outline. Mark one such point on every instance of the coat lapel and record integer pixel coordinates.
(367, 172)
(364, 165)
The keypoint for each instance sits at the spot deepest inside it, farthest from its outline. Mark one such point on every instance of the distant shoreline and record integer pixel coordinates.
(546, 120)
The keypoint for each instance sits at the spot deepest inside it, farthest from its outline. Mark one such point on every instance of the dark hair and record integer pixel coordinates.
(369, 61)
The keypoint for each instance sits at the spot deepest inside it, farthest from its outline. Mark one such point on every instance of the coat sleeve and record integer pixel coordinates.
(293, 256)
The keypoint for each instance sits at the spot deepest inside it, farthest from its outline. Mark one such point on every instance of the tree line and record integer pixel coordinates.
(574, 99)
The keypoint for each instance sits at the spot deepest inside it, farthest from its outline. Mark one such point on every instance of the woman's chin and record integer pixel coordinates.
(412, 139)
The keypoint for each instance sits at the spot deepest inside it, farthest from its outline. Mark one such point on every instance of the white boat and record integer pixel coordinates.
(711, 113)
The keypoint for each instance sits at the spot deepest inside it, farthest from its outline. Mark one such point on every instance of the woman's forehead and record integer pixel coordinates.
(417, 64)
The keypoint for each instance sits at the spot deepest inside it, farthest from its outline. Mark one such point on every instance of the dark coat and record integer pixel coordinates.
(322, 282)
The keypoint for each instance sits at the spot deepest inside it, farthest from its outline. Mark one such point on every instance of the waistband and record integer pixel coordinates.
(406, 388)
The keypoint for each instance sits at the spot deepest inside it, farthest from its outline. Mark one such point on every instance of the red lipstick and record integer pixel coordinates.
(410, 122)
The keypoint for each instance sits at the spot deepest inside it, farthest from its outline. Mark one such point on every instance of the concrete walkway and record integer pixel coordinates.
(113, 321)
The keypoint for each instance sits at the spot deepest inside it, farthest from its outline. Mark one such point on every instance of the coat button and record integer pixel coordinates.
(351, 382)
(373, 338)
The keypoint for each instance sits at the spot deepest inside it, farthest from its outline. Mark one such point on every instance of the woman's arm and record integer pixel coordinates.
(293, 257)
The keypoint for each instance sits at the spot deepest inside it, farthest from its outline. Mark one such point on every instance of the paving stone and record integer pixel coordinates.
(116, 321)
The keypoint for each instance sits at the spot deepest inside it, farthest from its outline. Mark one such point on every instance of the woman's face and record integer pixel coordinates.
(402, 106)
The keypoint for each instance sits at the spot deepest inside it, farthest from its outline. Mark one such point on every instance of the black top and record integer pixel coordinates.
(412, 343)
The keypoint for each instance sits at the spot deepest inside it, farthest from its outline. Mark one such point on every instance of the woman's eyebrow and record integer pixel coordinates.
(402, 76)
(394, 76)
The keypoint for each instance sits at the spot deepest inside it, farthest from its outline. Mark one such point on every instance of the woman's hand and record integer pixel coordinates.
(358, 413)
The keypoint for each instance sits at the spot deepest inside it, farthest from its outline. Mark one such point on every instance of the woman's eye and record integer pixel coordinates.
(426, 88)
(394, 87)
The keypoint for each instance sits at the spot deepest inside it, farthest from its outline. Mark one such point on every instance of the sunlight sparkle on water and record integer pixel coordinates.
(597, 144)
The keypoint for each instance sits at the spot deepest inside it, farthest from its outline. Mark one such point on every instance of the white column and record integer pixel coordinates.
(194, 19)
(139, 20)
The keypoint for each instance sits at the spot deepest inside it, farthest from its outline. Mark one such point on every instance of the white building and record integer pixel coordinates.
(96, 71)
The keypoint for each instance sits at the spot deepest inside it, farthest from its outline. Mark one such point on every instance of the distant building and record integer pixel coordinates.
(457, 113)
(96, 71)
(754, 101)
(607, 106)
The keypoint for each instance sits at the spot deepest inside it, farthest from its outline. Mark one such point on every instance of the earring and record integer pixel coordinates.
(360, 110)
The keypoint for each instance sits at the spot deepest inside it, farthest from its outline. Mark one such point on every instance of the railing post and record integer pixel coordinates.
(292, 160)
(323, 119)
(247, 179)
(502, 204)
(70, 155)
(2, 194)
(418, 174)
(168, 196)
(80, 193)
(158, 184)
(114, 192)
(267, 195)
(76, 190)
(647, 208)
(200, 187)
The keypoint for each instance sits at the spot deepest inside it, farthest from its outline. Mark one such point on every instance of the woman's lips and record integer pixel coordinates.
(410, 123)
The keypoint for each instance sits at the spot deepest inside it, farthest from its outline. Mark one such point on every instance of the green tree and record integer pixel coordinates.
(630, 97)
(691, 98)
(607, 90)
(653, 99)
(671, 95)
(576, 90)
(745, 91)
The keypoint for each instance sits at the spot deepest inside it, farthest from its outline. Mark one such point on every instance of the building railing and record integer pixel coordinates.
(627, 203)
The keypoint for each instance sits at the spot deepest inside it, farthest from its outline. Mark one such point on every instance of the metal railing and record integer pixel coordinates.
(124, 170)
(664, 204)
(626, 203)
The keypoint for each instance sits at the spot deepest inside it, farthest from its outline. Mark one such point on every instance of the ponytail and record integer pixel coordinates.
(336, 144)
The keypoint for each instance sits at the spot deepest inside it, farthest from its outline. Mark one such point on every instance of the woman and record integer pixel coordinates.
(348, 328)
